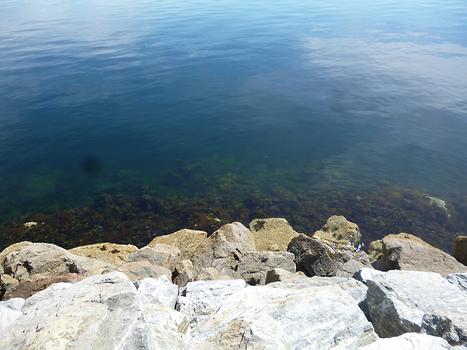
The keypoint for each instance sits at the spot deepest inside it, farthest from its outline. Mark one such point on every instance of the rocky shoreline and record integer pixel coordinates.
(262, 287)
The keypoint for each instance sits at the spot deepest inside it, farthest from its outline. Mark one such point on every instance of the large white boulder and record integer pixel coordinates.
(99, 312)
(409, 341)
(422, 302)
(287, 316)
(157, 291)
(203, 298)
(9, 311)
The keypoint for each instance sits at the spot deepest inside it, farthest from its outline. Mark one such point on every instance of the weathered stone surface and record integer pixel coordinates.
(224, 248)
(139, 270)
(48, 260)
(100, 312)
(184, 273)
(158, 291)
(412, 301)
(408, 252)
(409, 341)
(159, 254)
(203, 298)
(27, 288)
(460, 249)
(375, 250)
(339, 232)
(10, 249)
(459, 279)
(112, 253)
(313, 256)
(282, 316)
(254, 266)
(281, 275)
(186, 240)
(211, 274)
(272, 234)
(10, 310)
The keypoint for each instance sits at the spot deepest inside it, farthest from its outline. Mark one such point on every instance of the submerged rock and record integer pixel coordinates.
(115, 254)
(412, 301)
(272, 234)
(408, 252)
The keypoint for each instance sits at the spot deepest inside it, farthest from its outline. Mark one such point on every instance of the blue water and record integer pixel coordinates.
(183, 97)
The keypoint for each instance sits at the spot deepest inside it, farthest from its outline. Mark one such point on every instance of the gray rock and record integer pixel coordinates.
(281, 275)
(99, 312)
(160, 254)
(210, 274)
(184, 273)
(139, 270)
(203, 298)
(158, 291)
(459, 279)
(224, 247)
(10, 310)
(254, 266)
(287, 316)
(422, 302)
(313, 256)
(409, 341)
(408, 252)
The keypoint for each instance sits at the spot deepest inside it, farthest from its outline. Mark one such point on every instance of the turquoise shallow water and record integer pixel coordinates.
(322, 99)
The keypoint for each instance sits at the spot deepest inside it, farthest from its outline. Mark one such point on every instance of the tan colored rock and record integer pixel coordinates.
(225, 247)
(186, 240)
(272, 234)
(10, 249)
(460, 249)
(160, 254)
(109, 252)
(139, 270)
(375, 250)
(404, 251)
(339, 232)
(184, 273)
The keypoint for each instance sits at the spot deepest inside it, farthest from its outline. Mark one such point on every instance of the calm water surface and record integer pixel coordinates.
(190, 98)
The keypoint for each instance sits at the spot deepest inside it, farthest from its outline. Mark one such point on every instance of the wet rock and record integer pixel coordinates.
(313, 256)
(412, 301)
(339, 232)
(186, 240)
(159, 254)
(272, 234)
(203, 298)
(112, 253)
(10, 310)
(409, 341)
(254, 266)
(224, 248)
(282, 316)
(439, 204)
(460, 249)
(408, 252)
(139, 270)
